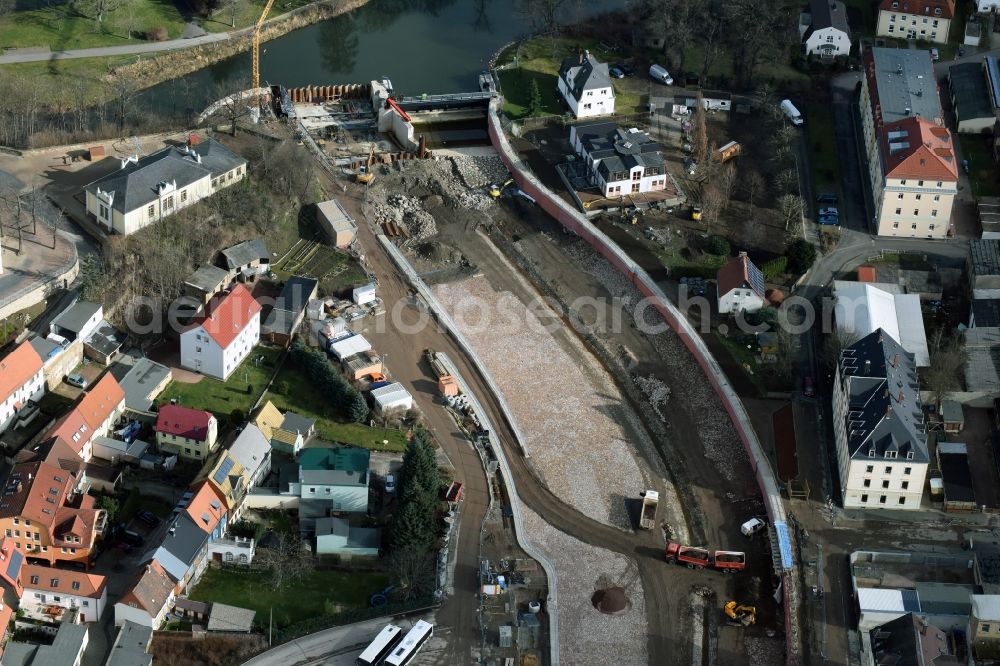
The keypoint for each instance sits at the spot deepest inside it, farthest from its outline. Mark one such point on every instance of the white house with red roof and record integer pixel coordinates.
(93, 416)
(21, 379)
(223, 335)
(741, 285)
(913, 166)
(929, 20)
(49, 592)
(190, 433)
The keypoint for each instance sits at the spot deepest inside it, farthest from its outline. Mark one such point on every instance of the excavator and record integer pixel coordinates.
(497, 190)
(594, 202)
(739, 614)
(365, 173)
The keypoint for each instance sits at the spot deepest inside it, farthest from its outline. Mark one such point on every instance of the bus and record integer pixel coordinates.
(377, 650)
(408, 649)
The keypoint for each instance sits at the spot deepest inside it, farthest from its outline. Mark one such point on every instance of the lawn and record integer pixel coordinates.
(777, 70)
(60, 28)
(13, 325)
(984, 173)
(246, 13)
(221, 398)
(292, 391)
(64, 82)
(298, 601)
(824, 164)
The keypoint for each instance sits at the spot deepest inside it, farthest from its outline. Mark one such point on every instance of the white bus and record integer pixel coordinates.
(408, 649)
(376, 652)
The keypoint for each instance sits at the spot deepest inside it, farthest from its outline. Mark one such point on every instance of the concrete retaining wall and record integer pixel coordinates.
(262, 498)
(560, 210)
(42, 290)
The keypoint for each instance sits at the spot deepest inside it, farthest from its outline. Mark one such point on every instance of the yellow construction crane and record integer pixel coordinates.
(256, 50)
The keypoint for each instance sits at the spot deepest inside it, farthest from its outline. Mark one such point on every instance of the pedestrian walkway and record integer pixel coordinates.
(37, 55)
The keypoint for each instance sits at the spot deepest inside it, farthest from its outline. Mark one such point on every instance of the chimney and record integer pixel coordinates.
(901, 398)
(895, 361)
(868, 367)
(20, 486)
(888, 410)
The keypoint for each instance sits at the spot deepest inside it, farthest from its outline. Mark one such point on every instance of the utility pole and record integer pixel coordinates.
(270, 625)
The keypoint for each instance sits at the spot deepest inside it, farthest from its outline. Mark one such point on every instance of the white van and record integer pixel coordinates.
(791, 112)
(752, 526)
(660, 74)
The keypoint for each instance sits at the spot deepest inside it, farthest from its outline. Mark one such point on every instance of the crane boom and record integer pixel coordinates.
(256, 49)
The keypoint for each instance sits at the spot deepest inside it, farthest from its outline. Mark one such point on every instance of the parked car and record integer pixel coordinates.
(935, 55)
(390, 483)
(752, 526)
(149, 518)
(77, 381)
(808, 389)
(827, 199)
(829, 210)
(616, 73)
(627, 70)
(829, 219)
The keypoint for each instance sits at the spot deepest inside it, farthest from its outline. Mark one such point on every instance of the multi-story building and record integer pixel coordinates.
(878, 426)
(47, 590)
(190, 433)
(621, 162)
(223, 335)
(252, 450)
(146, 190)
(229, 480)
(912, 165)
(928, 20)
(333, 480)
(586, 87)
(22, 378)
(94, 415)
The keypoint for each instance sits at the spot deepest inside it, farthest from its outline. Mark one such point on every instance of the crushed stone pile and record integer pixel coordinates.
(478, 172)
(420, 224)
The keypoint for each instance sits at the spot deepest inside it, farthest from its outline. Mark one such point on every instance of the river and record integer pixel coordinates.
(424, 46)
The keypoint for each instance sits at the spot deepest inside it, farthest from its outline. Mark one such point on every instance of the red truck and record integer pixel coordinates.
(727, 561)
(455, 492)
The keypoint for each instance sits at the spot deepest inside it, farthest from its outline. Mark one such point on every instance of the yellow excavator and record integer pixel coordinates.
(365, 173)
(594, 202)
(497, 190)
(739, 614)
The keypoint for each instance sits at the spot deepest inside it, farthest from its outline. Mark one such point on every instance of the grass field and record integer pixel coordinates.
(65, 82)
(292, 391)
(221, 398)
(984, 173)
(298, 601)
(246, 13)
(11, 326)
(61, 28)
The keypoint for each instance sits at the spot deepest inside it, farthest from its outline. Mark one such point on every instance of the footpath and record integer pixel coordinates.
(15, 56)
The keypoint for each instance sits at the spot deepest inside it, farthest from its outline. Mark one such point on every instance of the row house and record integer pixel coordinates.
(223, 335)
(21, 379)
(94, 415)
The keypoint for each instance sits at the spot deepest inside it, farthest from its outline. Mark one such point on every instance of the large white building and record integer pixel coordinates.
(22, 378)
(586, 86)
(221, 337)
(824, 29)
(912, 165)
(878, 426)
(928, 20)
(48, 587)
(621, 162)
(863, 307)
(145, 190)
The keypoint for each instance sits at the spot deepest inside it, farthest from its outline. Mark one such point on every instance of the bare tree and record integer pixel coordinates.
(712, 34)
(755, 186)
(123, 88)
(235, 104)
(700, 130)
(543, 14)
(791, 208)
(712, 204)
(98, 9)
(943, 376)
(414, 572)
(287, 560)
(726, 179)
(786, 181)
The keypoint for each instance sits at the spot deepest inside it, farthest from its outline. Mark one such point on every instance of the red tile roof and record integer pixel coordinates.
(920, 7)
(227, 315)
(17, 367)
(866, 274)
(10, 569)
(73, 430)
(65, 581)
(736, 275)
(922, 150)
(206, 508)
(183, 422)
(37, 490)
(101, 400)
(151, 589)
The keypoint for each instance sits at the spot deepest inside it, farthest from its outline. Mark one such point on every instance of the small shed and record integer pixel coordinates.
(953, 461)
(393, 396)
(952, 415)
(224, 617)
(728, 151)
(867, 274)
(362, 365)
(334, 536)
(364, 295)
(337, 225)
(97, 153)
(346, 347)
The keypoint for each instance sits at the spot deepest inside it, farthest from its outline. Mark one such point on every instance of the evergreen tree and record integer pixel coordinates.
(411, 529)
(535, 103)
(358, 410)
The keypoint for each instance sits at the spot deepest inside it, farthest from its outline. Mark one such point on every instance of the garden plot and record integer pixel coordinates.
(565, 404)
(588, 637)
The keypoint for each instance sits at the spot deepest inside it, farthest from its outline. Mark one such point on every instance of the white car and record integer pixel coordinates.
(390, 483)
(752, 526)
(935, 55)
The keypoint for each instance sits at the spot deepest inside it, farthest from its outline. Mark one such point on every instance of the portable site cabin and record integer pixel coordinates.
(364, 295)
(728, 151)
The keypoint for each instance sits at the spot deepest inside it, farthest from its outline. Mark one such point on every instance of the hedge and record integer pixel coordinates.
(775, 267)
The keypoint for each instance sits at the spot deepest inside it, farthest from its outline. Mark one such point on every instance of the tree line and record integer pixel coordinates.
(345, 400)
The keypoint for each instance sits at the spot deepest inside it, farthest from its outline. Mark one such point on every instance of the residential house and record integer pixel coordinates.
(268, 418)
(206, 282)
(42, 512)
(11, 562)
(245, 261)
(740, 285)
(146, 190)
(984, 624)
(228, 478)
(50, 592)
(336, 224)
(184, 551)
(223, 335)
(206, 509)
(909, 639)
(67, 648)
(391, 397)
(147, 601)
(826, 32)
(333, 480)
(131, 646)
(289, 309)
(253, 452)
(190, 433)
(335, 536)
(21, 379)
(77, 321)
(620, 162)
(928, 20)
(143, 382)
(971, 99)
(585, 85)
(878, 426)
(862, 308)
(913, 169)
(295, 430)
(94, 415)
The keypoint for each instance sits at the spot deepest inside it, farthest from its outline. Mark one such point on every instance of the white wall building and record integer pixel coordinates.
(863, 308)
(391, 396)
(878, 426)
(621, 162)
(148, 600)
(45, 587)
(916, 19)
(22, 378)
(740, 286)
(586, 86)
(827, 34)
(219, 339)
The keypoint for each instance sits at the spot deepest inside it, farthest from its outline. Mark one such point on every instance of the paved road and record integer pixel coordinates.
(103, 51)
(340, 645)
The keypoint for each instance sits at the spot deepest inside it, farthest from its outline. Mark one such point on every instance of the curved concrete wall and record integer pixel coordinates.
(576, 222)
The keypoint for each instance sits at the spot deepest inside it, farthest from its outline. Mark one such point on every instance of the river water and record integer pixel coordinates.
(424, 46)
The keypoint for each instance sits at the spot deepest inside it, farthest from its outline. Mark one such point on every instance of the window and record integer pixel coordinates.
(881, 499)
(9, 533)
(228, 557)
(905, 485)
(985, 629)
(197, 350)
(151, 210)
(17, 533)
(899, 196)
(868, 483)
(54, 583)
(17, 521)
(902, 182)
(902, 500)
(899, 211)
(920, 183)
(187, 451)
(918, 196)
(586, 107)
(916, 211)
(34, 580)
(76, 585)
(885, 484)
(931, 228)
(86, 603)
(937, 197)
(184, 196)
(312, 490)
(913, 226)
(888, 470)
(864, 499)
(895, 225)
(870, 468)
(907, 470)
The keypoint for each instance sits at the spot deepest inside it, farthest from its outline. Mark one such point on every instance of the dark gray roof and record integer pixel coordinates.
(905, 80)
(136, 184)
(897, 642)
(76, 316)
(131, 645)
(985, 257)
(616, 149)
(244, 253)
(583, 73)
(140, 380)
(364, 537)
(186, 540)
(208, 278)
(279, 321)
(884, 412)
(106, 339)
(968, 85)
(828, 14)
(296, 423)
(986, 312)
(957, 477)
(45, 347)
(65, 648)
(332, 526)
(296, 293)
